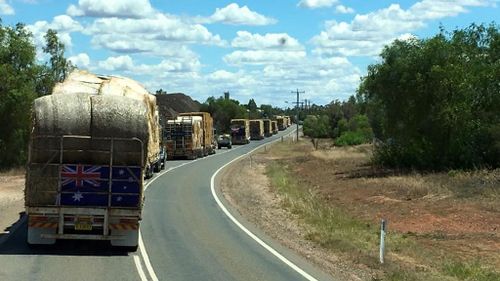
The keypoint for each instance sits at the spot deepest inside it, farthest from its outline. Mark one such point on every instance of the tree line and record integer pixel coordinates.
(430, 103)
(22, 79)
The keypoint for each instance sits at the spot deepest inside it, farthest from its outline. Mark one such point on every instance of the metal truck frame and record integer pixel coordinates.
(119, 225)
(179, 140)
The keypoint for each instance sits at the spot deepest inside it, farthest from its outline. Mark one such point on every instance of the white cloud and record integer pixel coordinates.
(148, 34)
(5, 8)
(111, 8)
(126, 64)
(366, 34)
(236, 15)
(280, 41)
(119, 63)
(322, 79)
(314, 4)
(262, 57)
(63, 24)
(81, 60)
(344, 10)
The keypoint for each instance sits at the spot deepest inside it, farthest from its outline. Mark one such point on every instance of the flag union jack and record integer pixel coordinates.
(81, 175)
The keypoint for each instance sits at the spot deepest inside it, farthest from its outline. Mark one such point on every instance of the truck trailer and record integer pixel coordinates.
(274, 126)
(240, 131)
(256, 129)
(183, 137)
(268, 130)
(281, 123)
(88, 154)
(207, 127)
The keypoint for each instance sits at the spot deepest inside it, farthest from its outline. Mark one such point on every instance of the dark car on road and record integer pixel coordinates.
(224, 141)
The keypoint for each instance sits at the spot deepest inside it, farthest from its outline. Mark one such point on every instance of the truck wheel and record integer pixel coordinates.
(229, 147)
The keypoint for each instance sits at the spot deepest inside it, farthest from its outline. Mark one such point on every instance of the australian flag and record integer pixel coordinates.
(89, 185)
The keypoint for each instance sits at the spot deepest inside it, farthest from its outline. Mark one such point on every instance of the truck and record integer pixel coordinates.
(274, 125)
(288, 121)
(281, 123)
(207, 127)
(88, 154)
(183, 137)
(240, 131)
(256, 129)
(268, 130)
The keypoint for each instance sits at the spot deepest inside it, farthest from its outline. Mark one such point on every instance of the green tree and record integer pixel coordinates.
(436, 101)
(57, 69)
(317, 127)
(222, 111)
(18, 76)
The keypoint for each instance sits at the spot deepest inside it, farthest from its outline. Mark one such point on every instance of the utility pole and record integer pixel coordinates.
(297, 109)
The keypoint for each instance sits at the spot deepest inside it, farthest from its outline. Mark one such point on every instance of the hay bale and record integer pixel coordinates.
(55, 115)
(42, 183)
(79, 81)
(119, 117)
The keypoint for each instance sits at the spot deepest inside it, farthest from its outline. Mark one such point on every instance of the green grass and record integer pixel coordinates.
(470, 271)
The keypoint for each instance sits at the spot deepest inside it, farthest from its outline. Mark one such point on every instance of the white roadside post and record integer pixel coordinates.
(382, 240)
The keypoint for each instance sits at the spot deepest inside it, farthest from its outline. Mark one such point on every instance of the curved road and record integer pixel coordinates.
(185, 236)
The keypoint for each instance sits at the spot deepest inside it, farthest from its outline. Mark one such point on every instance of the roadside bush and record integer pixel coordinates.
(350, 138)
(317, 126)
(436, 102)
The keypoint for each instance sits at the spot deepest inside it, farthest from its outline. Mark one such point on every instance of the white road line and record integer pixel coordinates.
(145, 257)
(248, 232)
(142, 248)
(137, 261)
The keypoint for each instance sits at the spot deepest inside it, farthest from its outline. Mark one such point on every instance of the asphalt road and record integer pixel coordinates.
(185, 236)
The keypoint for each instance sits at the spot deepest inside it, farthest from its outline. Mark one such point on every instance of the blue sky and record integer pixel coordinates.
(253, 49)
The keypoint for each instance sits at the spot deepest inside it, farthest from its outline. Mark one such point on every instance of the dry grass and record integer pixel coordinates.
(18, 171)
(443, 226)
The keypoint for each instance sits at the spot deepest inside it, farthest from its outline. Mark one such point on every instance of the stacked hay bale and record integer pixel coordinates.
(92, 107)
(207, 130)
(80, 81)
(184, 136)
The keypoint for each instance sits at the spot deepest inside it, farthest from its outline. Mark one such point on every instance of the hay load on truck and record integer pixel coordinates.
(281, 123)
(240, 131)
(274, 125)
(288, 121)
(80, 81)
(256, 129)
(88, 153)
(207, 127)
(268, 130)
(183, 137)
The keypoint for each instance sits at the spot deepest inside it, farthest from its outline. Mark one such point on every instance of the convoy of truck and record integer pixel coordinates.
(93, 143)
